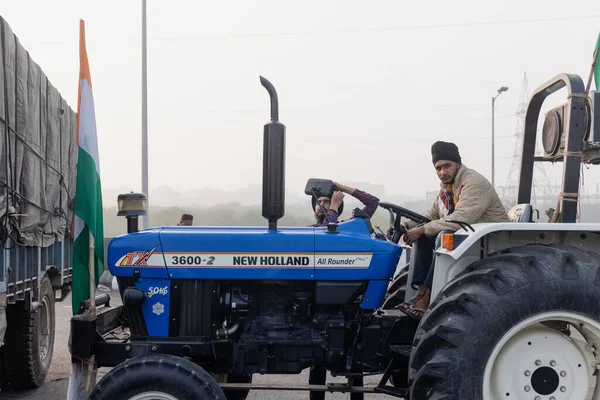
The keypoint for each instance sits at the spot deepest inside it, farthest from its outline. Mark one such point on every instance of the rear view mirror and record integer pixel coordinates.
(320, 187)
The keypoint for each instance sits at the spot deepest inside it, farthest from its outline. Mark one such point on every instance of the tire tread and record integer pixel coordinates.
(472, 303)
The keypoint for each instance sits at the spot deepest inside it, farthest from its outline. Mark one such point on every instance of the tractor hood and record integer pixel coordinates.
(347, 253)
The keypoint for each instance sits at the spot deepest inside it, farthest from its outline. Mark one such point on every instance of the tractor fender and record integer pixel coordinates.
(491, 238)
(498, 235)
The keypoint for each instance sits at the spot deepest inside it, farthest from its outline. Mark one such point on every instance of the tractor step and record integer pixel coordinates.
(400, 351)
(331, 387)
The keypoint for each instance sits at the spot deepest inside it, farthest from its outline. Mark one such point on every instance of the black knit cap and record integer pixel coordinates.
(445, 151)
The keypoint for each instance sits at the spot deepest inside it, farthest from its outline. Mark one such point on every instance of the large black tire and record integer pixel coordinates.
(399, 281)
(474, 311)
(394, 299)
(396, 291)
(398, 379)
(161, 373)
(3, 380)
(29, 343)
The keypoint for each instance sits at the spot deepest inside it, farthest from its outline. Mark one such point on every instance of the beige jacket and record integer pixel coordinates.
(477, 202)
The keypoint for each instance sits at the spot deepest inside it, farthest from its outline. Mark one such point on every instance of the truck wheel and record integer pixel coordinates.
(497, 330)
(30, 340)
(157, 376)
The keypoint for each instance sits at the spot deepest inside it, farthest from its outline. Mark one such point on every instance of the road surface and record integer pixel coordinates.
(58, 377)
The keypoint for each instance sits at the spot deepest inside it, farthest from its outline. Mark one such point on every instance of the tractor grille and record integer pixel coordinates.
(196, 308)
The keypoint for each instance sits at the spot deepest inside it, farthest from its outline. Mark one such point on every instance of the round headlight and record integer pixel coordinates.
(132, 204)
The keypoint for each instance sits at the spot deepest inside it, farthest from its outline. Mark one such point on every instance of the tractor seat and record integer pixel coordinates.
(521, 213)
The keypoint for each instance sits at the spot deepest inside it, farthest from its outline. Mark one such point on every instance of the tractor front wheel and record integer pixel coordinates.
(160, 377)
(522, 323)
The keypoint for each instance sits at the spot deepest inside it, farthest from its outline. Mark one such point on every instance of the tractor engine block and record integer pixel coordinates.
(283, 327)
(278, 327)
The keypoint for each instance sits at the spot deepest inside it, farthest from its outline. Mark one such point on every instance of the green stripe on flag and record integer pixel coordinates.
(88, 207)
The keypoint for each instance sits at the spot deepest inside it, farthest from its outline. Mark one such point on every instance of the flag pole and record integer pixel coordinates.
(91, 367)
(593, 69)
(146, 218)
(589, 82)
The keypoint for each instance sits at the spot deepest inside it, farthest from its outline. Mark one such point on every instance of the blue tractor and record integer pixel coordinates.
(205, 308)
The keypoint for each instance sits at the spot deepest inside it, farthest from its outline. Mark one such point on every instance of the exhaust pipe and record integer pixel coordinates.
(273, 204)
(226, 332)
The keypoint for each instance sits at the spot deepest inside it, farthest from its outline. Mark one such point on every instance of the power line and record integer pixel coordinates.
(408, 139)
(357, 30)
(399, 28)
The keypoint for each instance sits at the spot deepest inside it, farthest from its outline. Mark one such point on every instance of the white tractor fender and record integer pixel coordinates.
(483, 230)
(492, 237)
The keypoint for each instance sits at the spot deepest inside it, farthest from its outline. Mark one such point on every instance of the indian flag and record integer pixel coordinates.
(88, 194)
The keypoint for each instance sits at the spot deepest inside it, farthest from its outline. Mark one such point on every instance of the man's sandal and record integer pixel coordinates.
(410, 312)
(405, 305)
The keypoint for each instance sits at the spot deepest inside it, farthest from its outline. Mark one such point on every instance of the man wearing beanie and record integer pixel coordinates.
(466, 196)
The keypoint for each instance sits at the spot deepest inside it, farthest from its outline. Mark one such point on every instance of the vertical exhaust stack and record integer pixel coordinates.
(273, 205)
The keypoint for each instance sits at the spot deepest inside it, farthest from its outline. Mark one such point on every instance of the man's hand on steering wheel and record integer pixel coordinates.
(397, 229)
(412, 235)
(390, 232)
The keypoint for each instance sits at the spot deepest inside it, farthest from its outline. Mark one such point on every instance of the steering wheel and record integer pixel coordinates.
(396, 214)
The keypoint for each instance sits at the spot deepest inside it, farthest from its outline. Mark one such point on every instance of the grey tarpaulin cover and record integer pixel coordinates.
(38, 150)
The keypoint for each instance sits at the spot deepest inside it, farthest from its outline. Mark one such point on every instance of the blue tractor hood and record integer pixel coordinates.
(254, 253)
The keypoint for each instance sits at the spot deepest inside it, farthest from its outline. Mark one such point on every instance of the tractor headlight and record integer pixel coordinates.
(131, 204)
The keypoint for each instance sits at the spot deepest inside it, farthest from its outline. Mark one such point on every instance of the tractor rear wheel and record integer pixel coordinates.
(396, 292)
(157, 376)
(497, 331)
(398, 379)
(399, 281)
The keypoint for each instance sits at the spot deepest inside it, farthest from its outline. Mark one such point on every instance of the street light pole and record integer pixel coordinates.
(502, 89)
(146, 218)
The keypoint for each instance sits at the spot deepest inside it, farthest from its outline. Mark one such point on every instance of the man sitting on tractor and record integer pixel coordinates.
(465, 196)
(328, 209)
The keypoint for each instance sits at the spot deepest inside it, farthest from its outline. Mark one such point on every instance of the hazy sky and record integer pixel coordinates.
(365, 88)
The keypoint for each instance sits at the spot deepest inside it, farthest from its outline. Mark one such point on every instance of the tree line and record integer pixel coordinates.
(235, 214)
